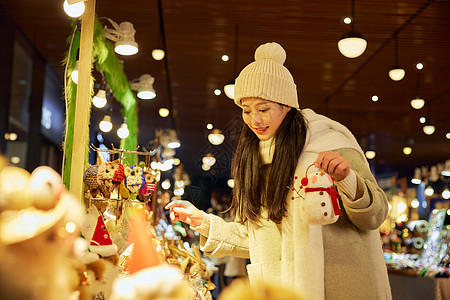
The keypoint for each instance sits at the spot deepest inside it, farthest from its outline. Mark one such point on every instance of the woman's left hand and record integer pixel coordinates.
(333, 164)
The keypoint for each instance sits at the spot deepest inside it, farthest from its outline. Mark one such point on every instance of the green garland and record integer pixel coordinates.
(107, 63)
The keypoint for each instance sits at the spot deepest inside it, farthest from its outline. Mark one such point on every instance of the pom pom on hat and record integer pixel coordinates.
(267, 78)
(271, 51)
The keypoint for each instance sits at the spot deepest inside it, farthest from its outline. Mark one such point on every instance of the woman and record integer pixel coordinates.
(343, 260)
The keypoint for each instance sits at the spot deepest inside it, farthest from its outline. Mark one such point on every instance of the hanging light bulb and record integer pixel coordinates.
(429, 191)
(105, 124)
(123, 131)
(209, 159)
(74, 8)
(370, 154)
(446, 193)
(415, 203)
(99, 99)
(164, 112)
(352, 44)
(396, 73)
(417, 176)
(230, 182)
(165, 184)
(429, 129)
(216, 137)
(417, 103)
(446, 170)
(158, 54)
(407, 150)
(74, 75)
(173, 142)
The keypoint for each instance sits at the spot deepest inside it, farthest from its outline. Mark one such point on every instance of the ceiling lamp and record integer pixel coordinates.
(144, 87)
(417, 103)
(216, 137)
(396, 73)
(446, 194)
(352, 44)
(123, 35)
(168, 139)
(74, 75)
(429, 129)
(105, 124)
(446, 169)
(11, 136)
(164, 112)
(429, 191)
(158, 54)
(209, 159)
(230, 182)
(123, 131)
(417, 179)
(370, 154)
(407, 150)
(166, 184)
(74, 8)
(174, 144)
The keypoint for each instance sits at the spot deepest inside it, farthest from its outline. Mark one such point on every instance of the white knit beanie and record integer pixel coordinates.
(267, 78)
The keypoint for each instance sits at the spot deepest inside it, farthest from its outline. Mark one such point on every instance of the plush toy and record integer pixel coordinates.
(110, 175)
(134, 178)
(320, 204)
(90, 179)
(149, 186)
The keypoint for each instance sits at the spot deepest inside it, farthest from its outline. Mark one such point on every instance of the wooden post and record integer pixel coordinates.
(82, 108)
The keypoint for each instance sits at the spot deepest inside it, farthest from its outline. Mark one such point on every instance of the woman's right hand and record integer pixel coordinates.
(181, 210)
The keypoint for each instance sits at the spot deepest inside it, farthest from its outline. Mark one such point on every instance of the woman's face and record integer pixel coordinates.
(263, 116)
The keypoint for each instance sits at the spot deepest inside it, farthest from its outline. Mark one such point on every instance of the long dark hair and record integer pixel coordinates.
(250, 191)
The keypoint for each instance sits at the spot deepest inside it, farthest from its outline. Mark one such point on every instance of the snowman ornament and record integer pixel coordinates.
(319, 198)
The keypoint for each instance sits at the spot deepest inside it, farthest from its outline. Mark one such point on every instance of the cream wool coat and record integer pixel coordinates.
(343, 260)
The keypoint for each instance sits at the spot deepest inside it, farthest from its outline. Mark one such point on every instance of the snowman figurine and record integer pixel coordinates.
(320, 205)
